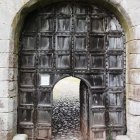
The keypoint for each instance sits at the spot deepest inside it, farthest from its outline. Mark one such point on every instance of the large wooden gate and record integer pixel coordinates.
(72, 39)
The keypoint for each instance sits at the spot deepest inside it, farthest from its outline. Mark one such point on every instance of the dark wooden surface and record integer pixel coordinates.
(72, 39)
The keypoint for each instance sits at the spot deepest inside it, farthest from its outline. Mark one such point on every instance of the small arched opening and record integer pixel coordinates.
(70, 110)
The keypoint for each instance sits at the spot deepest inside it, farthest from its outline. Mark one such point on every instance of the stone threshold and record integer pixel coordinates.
(122, 137)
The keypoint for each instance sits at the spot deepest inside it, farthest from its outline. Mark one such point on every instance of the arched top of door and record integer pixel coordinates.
(86, 82)
(117, 9)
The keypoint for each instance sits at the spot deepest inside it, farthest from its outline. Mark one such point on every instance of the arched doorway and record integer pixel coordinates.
(70, 110)
(72, 39)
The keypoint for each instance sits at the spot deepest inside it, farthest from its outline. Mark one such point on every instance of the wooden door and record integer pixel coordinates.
(72, 39)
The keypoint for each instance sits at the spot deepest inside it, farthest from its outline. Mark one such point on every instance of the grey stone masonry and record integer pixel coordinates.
(20, 137)
(122, 138)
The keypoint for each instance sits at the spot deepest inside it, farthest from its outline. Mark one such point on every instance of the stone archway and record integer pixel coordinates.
(13, 14)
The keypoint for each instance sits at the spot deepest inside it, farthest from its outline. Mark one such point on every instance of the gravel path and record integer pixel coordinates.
(66, 110)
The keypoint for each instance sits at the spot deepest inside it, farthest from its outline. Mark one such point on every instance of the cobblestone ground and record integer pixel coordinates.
(66, 112)
(66, 118)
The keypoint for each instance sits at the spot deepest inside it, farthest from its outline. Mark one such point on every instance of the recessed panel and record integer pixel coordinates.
(97, 99)
(30, 27)
(63, 61)
(115, 133)
(80, 43)
(113, 25)
(46, 60)
(115, 80)
(45, 43)
(98, 134)
(97, 25)
(80, 61)
(26, 97)
(79, 10)
(44, 134)
(29, 43)
(81, 25)
(28, 61)
(115, 43)
(46, 24)
(26, 115)
(97, 43)
(27, 79)
(44, 116)
(97, 80)
(98, 118)
(66, 10)
(63, 24)
(97, 61)
(115, 99)
(44, 98)
(115, 118)
(115, 61)
(63, 43)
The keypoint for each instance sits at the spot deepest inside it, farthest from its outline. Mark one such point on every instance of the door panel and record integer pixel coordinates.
(72, 39)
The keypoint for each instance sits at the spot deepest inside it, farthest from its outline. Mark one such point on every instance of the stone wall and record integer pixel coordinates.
(12, 14)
